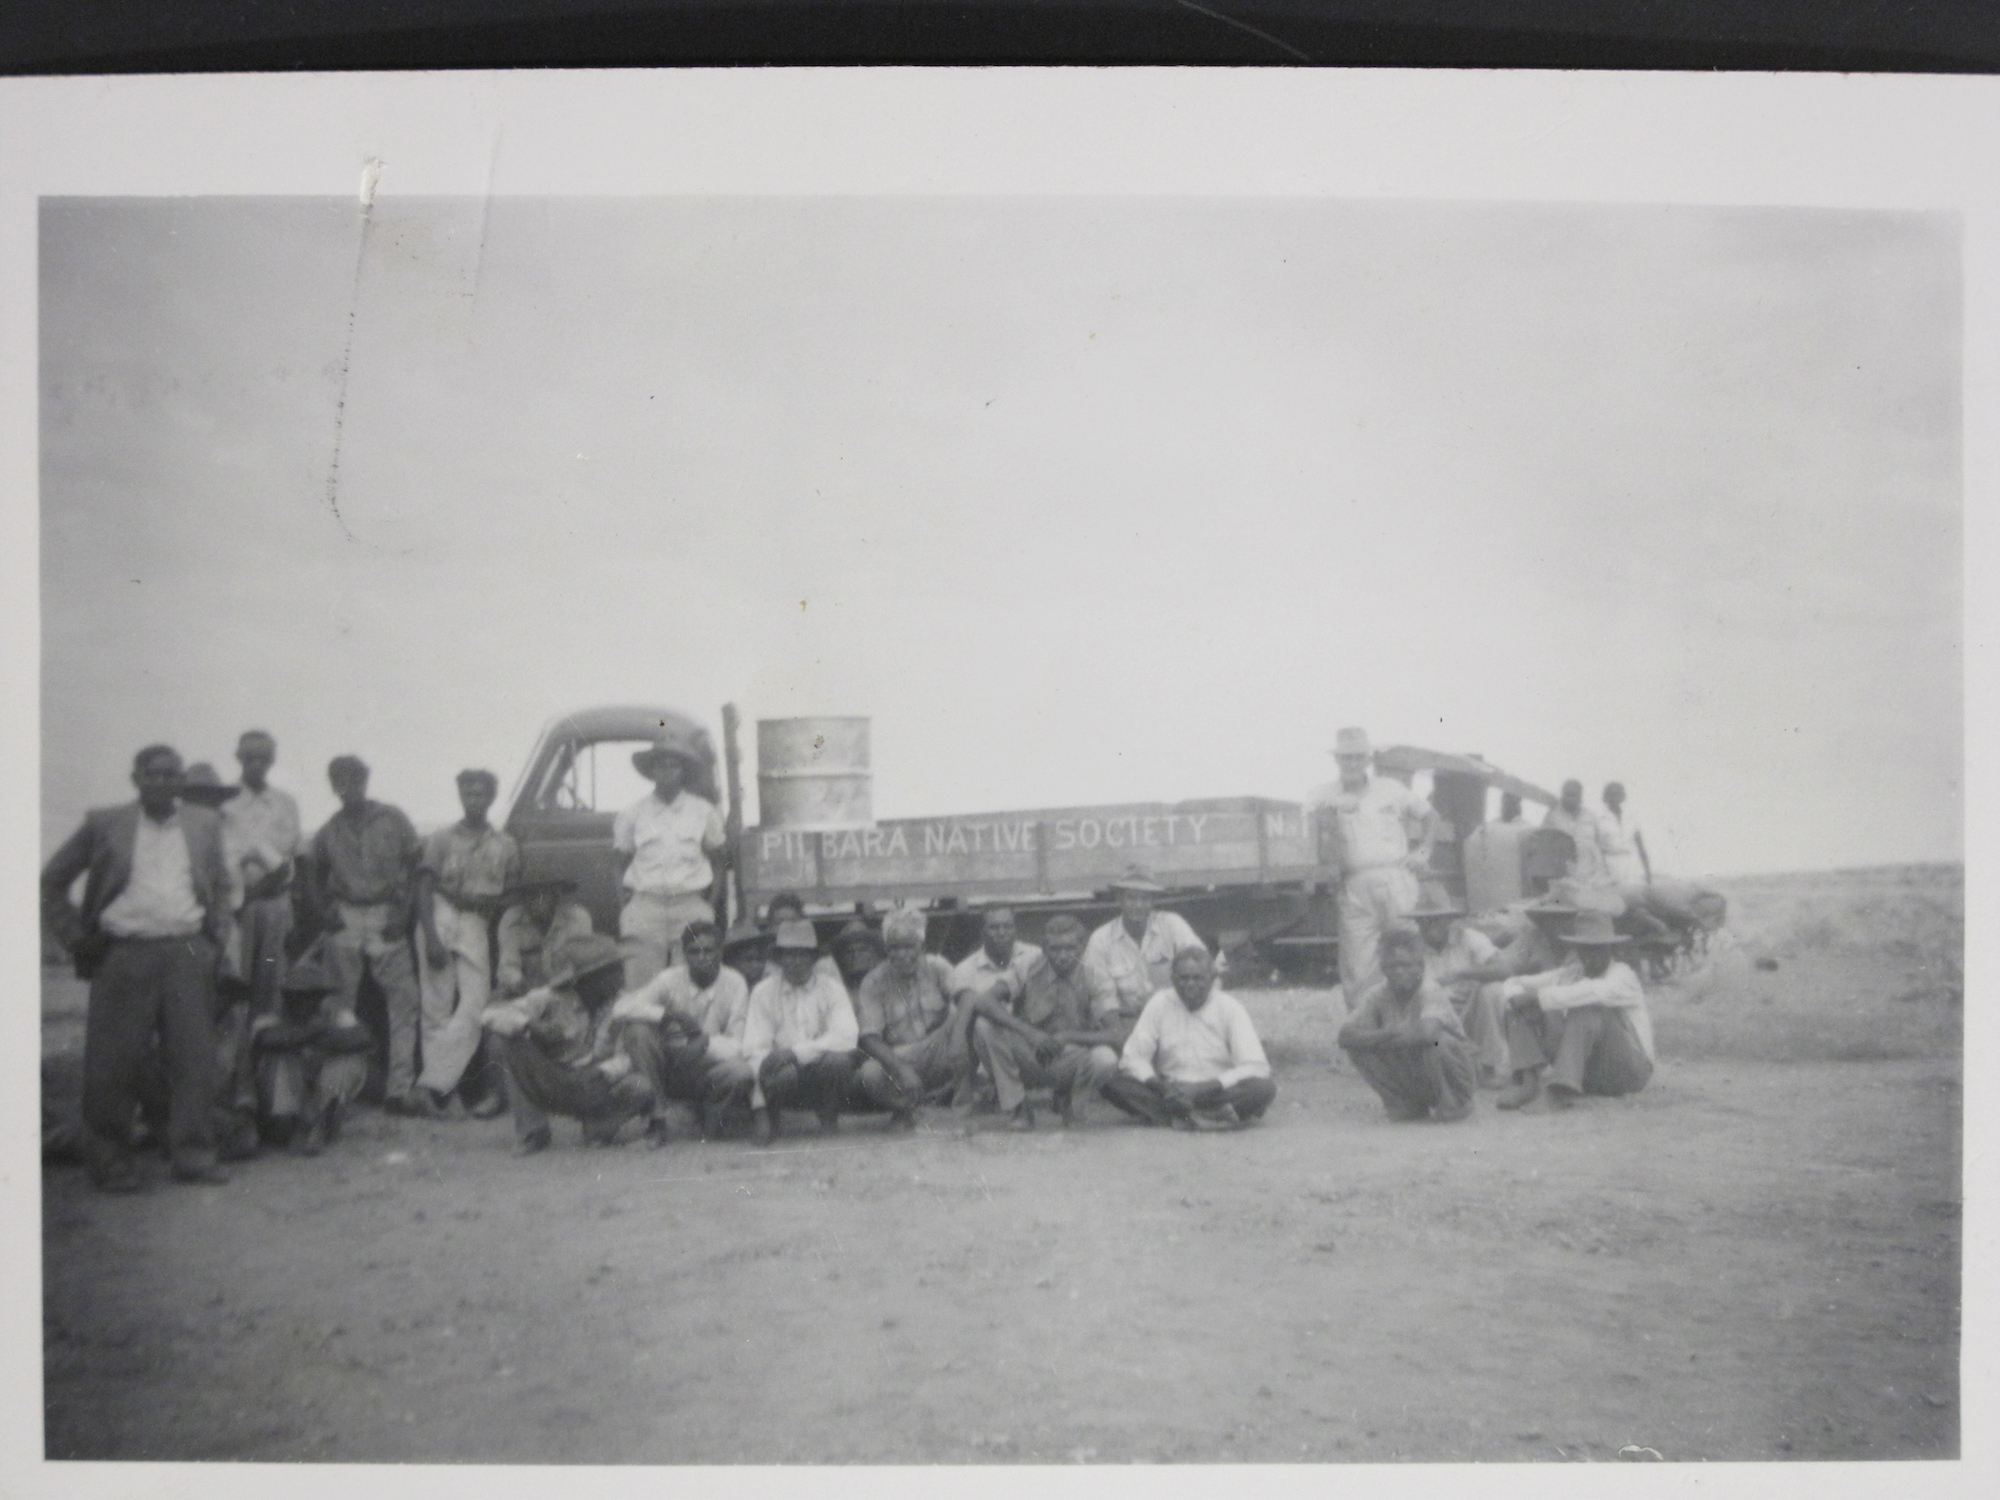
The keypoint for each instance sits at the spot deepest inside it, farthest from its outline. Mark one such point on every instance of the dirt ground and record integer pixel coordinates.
(1755, 1258)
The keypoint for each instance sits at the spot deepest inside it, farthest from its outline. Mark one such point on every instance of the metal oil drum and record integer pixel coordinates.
(813, 774)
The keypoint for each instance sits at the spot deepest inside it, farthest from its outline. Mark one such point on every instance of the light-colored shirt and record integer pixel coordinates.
(1382, 1009)
(1618, 837)
(722, 1010)
(1380, 825)
(471, 864)
(369, 860)
(1137, 969)
(1566, 988)
(1215, 1043)
(1466, 948)
(669, 843)
(1493, 865)
(1584, 830)
(978, 975)
(811, 1020)
(1082, 1000)
(525, 947)
(902, 1011)
(158, 900)
(263, 826)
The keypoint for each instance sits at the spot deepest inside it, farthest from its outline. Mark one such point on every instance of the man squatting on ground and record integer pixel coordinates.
(561, 1054)
(539, 917)
(800, 1036)
(1582, 1028)
(1193, 1060)
(683, 1030)
(465, 871)
(1040, 1018)
(152, 938)
(311, 1061)
(1468, 966)
(663, 842)
(913, 1034)
(1406, 1041)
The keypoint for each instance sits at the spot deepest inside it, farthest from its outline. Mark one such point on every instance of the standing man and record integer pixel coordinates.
(912, 1035)
(684, 1031)
(539, 916)
(1384, 832)
(151, 938)
(1406, 1040)
(1582, 1028)
(1194, 1060)
(1493, 859)
(361, 873)
(800, 1037)
(1135, 950)
(262, 836)
(1046, 1030)
(1625, 856)
(465, 870)
(1570, 816)
(663, 843)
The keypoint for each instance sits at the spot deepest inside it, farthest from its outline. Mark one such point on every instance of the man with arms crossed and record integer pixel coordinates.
(1406, 1040)
(683, 1030)
(800, 1037)
(913, 1036)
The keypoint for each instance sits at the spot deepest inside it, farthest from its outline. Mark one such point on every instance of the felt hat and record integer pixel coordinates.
(1138, 878)
(585, 955)
(795, 937)
(1593, 929)
(677, 746)
(200, 784)
(1351, 741)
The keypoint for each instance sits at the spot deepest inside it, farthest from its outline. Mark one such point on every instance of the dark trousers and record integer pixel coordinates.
(143, 986)
(677, 1071)
(1249, 1097)
(821, 1085)
(1414, 1078)
(1592, 1049)
(540, 1086)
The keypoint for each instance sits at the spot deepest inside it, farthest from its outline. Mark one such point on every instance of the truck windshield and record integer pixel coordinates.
(593, 778)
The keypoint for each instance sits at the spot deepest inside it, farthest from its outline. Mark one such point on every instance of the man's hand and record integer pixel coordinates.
(908, 1081)
(1047, 1050)
(779, 1058)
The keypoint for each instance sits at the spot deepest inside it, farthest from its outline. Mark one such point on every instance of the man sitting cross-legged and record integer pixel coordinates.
(1406, 1040)
(1584, 1025)
(800, 1036)
(557, 1046)
(1193, 1060)
(1044, 1027)
(683, 1029)
(913, 1036)
(311, 1060)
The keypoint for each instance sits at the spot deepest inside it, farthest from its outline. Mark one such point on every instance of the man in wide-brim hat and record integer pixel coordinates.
(1580, 1028)
(561, 1053)
(1468, 966)
(663, 842)
(538, 917)
(312, 1060)
(800, 1035)
(1135, 950)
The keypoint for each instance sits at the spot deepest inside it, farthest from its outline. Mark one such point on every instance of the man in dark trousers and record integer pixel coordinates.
(1406, 1039)
(151, 937)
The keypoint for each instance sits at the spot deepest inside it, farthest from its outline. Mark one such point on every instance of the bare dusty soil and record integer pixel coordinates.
(1757, 1257)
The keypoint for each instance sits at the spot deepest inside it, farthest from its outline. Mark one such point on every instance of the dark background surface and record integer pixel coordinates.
(128, 36)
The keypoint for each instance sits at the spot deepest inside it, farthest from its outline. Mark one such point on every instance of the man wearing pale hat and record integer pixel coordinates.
(1135, 950)
(537, 918)
(1581, 1028)
(1383, 833)
(1570, 816)
(663, 842)
(1467, 965)
(562, 1054)
(800, 1036)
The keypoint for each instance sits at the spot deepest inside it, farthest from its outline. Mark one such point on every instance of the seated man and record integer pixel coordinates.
(800, 1036)
(1045, 1029)
(311, 1061)
(1193, 1060)
(1406, 1040)
(1466, 964)
(683, 1029)
(912, 1034)
(999, 955)
(537, 918)
(747, 950)
(1135, 950)
(855, 952)
(559, 1053)
(1584, 1025)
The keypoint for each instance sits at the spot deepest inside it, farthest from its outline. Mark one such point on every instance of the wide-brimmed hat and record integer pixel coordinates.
(520, 890)
(1436, 906)
(1547, 908)
(199, 783)
(1593, 929)
(1138, 878)
(795, 937)
(673, 745)
(584, 955)
(1351, 742)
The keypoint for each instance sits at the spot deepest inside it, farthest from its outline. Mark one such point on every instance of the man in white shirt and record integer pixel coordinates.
(983, 980)
(1625, 855)
(1193, 1061)
(1383, 836)
(800, 1037)
(1493, 876)
(1135, 950)
(1582, 1028)
(1570, 816)
(683, 1029)
(262, 837)
(663, 842)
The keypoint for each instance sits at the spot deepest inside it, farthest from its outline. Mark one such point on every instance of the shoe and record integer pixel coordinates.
(122, 1178)
(492, 1104)
(1562, 1096)
(1222, 1117)
(431, 1105)
(1022, 1117)
(1521, 1094)
(535, 1141)
(1452, 1117)
(656, 1132)
(207, 1175)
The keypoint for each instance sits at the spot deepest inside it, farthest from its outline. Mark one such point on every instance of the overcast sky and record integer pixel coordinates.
(1079, 500)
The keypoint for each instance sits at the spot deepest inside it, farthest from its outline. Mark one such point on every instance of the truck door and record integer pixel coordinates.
(562, 817)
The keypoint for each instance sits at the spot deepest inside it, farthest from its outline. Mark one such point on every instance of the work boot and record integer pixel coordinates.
(1217, 1117)
(1562, 1096)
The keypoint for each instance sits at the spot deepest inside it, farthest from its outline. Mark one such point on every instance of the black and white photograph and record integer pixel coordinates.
(994, 824)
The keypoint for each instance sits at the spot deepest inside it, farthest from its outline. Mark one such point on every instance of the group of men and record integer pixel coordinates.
(227, 954)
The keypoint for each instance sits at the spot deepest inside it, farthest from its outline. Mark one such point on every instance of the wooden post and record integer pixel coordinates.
(732, 761)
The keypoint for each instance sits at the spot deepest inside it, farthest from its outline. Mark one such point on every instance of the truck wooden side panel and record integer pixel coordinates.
(1048, 852)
